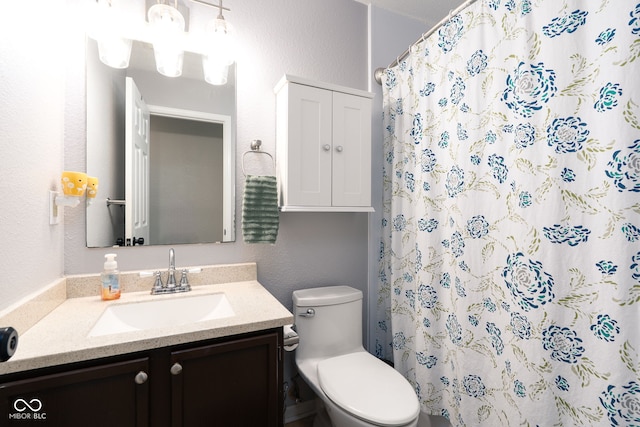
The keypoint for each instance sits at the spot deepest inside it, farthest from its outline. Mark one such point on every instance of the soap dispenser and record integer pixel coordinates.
(110, 278)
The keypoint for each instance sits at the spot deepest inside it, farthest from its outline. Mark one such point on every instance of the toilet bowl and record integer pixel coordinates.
(357, 389)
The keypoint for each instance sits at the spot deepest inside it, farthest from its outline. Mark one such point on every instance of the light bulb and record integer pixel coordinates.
(168, 31)
(220, 51)
(105, 26)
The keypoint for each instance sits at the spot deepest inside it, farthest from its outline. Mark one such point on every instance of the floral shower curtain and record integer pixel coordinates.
(509, 282)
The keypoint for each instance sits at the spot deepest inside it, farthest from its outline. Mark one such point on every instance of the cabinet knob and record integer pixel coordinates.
(141, 377)
(326, 147)
(176, 369)
(339, 148)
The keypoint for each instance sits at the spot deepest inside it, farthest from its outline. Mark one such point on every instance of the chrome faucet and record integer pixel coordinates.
(171, 286)
(171, 278)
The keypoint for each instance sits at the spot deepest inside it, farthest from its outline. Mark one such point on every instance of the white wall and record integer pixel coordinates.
(32, 101)
(326, 41)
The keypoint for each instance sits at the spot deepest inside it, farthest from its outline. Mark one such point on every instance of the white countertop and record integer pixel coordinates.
(62, 335)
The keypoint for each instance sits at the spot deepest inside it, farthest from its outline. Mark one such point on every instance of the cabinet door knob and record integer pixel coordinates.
(339, 148)
(141, 377)
(176, 369)
(326, 147)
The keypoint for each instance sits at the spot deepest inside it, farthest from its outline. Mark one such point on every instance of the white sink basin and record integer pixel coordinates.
(166, 311)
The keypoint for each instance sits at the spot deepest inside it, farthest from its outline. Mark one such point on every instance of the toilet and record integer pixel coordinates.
(357, 389)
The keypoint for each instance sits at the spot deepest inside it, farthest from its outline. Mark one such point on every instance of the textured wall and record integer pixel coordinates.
(325, 41)
(31, 140)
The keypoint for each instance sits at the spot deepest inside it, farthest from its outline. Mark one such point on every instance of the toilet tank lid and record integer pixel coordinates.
(327, 295)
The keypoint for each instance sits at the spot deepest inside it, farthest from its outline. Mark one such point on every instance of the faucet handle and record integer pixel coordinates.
(158, 286)
(184, 281)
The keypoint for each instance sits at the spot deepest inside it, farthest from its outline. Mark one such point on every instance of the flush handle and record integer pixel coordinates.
(309, 313)
(141, 377)
(176, 369)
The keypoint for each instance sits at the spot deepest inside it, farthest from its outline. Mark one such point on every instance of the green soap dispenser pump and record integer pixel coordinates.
(110, 278)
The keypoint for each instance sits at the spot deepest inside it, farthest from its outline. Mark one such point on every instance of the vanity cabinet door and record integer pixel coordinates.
(233, 383)
(115, 394)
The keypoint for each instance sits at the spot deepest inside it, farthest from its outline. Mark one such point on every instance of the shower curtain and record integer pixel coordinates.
(509, 279)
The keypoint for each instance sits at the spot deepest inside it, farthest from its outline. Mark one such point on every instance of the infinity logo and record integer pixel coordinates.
(21, 405)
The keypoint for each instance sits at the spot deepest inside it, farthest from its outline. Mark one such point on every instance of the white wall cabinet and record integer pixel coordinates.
(323, 147)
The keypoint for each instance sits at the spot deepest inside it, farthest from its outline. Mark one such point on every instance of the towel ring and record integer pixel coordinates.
(255, 148)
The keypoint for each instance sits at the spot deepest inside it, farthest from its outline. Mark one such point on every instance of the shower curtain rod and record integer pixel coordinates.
(378, 73)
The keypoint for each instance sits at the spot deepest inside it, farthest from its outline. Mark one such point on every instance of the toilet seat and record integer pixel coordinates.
(369, 389)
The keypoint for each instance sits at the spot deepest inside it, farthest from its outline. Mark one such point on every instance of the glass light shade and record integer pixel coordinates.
(220, 46)
(167, 26)
(104, 26)
(115, 51)
(220, 41)
(215, 72)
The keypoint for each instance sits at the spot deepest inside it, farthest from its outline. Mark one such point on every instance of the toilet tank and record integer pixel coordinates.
(335, 325)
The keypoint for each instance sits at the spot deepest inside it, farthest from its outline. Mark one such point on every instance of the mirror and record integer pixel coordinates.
(191, 188)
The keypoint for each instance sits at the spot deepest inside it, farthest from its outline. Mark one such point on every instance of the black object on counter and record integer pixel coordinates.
(8, 343)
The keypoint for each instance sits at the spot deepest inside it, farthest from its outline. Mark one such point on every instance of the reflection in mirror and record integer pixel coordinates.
(188, 163)
(191, 189)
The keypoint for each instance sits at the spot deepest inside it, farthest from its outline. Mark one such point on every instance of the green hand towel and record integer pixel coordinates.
(260, 216)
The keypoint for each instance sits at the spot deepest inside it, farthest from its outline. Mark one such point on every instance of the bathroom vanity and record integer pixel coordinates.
(233, 381)
(224, 371)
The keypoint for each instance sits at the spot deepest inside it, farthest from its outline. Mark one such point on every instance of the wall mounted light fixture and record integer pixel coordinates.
(167, 29)
(114, 32)
(220, 48)
(107, 25)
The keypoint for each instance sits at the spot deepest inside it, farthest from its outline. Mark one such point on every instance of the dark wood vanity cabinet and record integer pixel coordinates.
(104, 395)
(236, 381)
(227, 384)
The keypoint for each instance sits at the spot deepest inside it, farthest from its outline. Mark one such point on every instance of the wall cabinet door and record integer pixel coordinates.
(306, 153)
(351, 156)
(232, 383)
(115, 394)
(323, 147)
